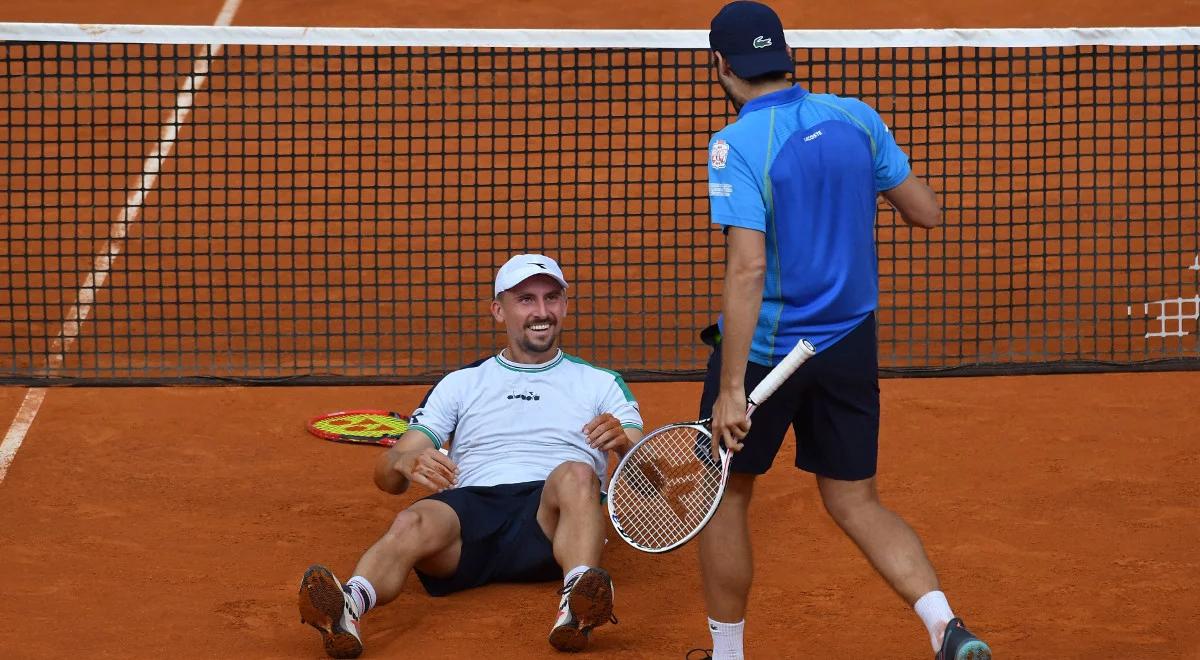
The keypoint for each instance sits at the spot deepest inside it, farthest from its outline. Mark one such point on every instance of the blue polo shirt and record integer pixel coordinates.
(806, 169)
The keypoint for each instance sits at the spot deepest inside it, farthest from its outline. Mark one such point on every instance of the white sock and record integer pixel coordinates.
(573, 573)
(935, 614)
(362, 593)
(727, 639)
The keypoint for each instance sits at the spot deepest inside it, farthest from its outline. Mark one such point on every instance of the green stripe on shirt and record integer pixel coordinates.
(437, 443)
(620, 381)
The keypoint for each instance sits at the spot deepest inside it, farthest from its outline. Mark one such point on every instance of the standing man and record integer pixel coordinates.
(793, 182)
(518, 498)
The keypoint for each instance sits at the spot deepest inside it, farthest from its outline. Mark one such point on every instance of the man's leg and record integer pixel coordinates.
(891, 546)
(837, 432)
(726, 560)
(894, 549)
(726, 563)
(727, 566)
(572, 517)
(425, 534)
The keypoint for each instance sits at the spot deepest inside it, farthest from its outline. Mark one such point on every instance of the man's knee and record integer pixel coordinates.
(574, 480)
(733, 511)
(846, 499)
(739, 487)
(406, 528)
(571, 484)
(419, 530)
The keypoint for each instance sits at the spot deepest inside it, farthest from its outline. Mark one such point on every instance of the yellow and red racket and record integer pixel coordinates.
(370, 427)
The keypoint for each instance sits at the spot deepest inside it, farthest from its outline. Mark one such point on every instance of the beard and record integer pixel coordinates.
(539, 345)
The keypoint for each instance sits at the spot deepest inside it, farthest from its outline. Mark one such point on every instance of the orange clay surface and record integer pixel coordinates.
(176, 522)
(680, 14)
(10, 402)
(1061, 511)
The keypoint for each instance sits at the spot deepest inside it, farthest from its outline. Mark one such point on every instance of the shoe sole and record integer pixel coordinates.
(322, 603)
(974, 650)
(591, 601)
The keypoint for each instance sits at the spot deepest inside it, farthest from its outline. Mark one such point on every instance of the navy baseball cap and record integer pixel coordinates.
(750, 37)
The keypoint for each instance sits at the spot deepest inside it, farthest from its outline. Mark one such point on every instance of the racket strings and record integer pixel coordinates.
(667, 490)
(363, 425)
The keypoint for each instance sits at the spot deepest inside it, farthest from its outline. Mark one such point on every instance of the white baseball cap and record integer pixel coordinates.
(524, 266)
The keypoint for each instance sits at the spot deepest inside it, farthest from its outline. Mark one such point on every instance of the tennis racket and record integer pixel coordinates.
(364, 427)
(371, 427)
(667, 488)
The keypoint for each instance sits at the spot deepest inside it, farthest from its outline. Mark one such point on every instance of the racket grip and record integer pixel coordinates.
(782, 371)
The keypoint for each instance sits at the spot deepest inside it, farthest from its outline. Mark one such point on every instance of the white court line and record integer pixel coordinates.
(20, 426)
(225, 16)
(102, 265)
(119, 229)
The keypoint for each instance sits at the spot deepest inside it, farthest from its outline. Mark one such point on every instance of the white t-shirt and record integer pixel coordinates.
(513, 423)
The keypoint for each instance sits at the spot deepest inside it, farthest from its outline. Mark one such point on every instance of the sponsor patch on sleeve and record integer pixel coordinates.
(720, 189)
(718, 154)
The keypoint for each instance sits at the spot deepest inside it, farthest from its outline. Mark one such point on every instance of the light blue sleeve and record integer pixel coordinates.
(891, 163)
(734, 187)
(438, 415)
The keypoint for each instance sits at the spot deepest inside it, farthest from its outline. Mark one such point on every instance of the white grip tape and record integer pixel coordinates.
(782, 371)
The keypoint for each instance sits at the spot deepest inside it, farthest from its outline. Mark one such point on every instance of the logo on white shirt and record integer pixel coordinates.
(718, 155)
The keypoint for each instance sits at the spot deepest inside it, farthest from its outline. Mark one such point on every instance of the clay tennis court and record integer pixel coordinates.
(176, 522)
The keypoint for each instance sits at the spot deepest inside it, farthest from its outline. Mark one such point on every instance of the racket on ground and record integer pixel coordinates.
(371, 427)
(366, 427)
(668, 486)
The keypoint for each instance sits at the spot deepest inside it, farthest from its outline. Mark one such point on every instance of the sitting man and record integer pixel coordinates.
(518, 496)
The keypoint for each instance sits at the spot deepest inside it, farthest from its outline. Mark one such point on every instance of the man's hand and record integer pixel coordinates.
(428, 467)
(605, 433)
(729, 421)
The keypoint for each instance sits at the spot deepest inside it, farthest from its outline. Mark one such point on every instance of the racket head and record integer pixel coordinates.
(371, 427)
(667, 487)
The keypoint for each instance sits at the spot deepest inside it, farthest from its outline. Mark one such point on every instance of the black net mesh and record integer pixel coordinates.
(332, 213)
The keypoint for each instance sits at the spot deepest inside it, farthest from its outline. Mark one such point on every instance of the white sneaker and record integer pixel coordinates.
(324, 606)
(587, 602)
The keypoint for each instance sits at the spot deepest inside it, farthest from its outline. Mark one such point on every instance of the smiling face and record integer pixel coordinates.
(532, 313)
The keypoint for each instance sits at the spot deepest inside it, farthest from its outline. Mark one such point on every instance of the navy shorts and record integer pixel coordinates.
(832, 403)
(501, 538)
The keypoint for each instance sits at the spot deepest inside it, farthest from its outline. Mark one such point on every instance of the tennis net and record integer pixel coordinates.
(330, 205)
